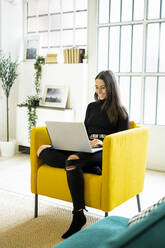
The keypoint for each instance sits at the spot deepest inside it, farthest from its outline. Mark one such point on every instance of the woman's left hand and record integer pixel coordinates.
(95, 143)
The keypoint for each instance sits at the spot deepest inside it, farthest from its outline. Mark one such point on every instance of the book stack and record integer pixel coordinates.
(51, 59)
(73, 55)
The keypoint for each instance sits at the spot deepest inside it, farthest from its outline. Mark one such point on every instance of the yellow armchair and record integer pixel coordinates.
(123, 170)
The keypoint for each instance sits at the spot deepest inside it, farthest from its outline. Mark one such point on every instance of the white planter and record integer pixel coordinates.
(85, 61)
(7, 148)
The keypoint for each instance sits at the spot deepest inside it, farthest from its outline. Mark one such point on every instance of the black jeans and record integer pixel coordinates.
(87, 162)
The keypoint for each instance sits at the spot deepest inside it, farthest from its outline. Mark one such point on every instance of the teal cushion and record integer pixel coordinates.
(148, 232)
(96, 234)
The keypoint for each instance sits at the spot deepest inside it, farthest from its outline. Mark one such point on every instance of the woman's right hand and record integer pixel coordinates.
(95, 143)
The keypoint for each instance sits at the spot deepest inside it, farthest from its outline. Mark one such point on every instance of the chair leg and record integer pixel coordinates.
(106, 214)
(36, 206)
(138, 203)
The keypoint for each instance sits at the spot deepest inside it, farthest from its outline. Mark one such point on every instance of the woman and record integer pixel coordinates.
(104, 116)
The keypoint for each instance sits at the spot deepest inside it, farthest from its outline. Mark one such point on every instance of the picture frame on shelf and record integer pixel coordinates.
(31, 47)
(55, 96)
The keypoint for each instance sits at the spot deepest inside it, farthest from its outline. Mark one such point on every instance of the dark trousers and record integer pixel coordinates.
(87, 162)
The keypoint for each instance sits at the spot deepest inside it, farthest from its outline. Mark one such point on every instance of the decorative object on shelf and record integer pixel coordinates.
(73, 55)
(8, 75)
(81, 54)
(38, 67)
(55, 96)
(51, 58)
(31, 47)
(32, 102)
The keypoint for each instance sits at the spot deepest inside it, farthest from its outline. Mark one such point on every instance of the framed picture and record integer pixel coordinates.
(31, 47)
(55, 96)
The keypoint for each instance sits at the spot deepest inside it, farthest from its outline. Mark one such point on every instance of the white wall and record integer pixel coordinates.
(11, 34)
(156, 148)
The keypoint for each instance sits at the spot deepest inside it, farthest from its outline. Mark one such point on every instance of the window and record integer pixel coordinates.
(59, 23)
(131, 43)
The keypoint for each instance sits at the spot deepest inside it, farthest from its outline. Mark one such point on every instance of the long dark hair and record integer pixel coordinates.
(112, 102)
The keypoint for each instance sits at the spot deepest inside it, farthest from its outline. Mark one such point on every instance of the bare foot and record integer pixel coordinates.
(42, 148)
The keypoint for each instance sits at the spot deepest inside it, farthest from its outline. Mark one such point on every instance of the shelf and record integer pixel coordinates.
(46, 107)
(53, 64)
(49, 107)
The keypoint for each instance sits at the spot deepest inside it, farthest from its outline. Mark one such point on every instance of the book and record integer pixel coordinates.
(73, 55)
(51, 59)
(69, 56)
(65, 56)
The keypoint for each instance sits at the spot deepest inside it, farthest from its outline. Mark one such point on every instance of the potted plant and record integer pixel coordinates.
(38, 74)
(8, 74)
(32, 102)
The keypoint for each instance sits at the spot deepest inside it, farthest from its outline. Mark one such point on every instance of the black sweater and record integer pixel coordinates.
(97, 121)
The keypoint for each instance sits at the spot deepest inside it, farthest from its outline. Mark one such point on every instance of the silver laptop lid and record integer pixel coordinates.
(71, 136)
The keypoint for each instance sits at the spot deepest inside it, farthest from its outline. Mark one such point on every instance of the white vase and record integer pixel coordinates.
(7, 148)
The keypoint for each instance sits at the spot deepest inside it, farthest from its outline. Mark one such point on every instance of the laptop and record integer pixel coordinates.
(71, 136)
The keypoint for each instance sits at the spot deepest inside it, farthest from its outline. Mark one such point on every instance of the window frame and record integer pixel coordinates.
(143, 74)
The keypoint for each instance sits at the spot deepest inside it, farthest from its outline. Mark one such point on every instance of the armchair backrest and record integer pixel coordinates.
(132, 124)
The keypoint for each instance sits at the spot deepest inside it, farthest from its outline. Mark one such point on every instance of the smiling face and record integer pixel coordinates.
(101, 90)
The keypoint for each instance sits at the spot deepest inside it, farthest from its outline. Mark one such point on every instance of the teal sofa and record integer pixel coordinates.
(113, 231)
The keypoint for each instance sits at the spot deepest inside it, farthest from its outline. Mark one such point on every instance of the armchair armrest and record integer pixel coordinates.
(123, 167)
(39, 136)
